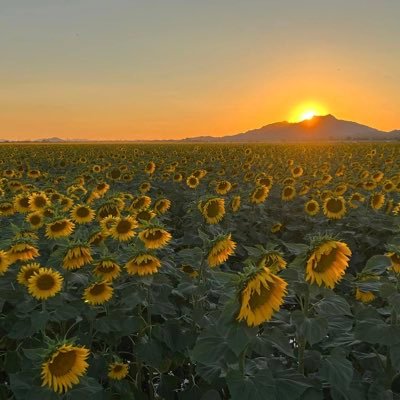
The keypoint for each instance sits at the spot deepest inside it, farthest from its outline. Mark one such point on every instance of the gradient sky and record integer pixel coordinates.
(126, 69)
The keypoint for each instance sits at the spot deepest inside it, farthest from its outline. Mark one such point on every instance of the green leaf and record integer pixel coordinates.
(260, 386)
(333, 305)
(377, 265)
(313, 329)
(337, 370)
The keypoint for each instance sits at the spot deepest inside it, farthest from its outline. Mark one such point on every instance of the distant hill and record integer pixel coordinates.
(318, 128)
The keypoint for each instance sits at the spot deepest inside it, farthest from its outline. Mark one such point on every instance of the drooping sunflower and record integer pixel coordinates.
(77, 256)
(107, 269)
(221, 249)
(275, 228)
(150, 168)
(22, 252)
(118, 370)
(140, 203)
(123, 228)
(327, 262)
(7, 208)
(44, 283)
(96, 238)
(334, 207)
(288, 193)
(98, 293)
(261, 296)
(106, 225)
(82, 214)
(259, 194)
(213, 210)
(272, 260)
(189, 270)
(363, 295)
(59, 228)
(66, 364)
(161, 206)
(143, 264)
(154, 237)
(395, 259)
(145, 215)
(235, 203)
(311, 207)
(377, 201)
(5, 262)
(26, 272)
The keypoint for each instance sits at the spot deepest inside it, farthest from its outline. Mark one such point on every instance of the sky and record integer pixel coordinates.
(130, 69)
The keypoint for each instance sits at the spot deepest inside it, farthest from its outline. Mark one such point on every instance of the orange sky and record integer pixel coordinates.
(151, 70)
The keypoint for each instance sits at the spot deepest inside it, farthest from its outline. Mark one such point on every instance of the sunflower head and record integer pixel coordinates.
(221, 248)
(59, 228)
(122, 228)
(118, 370)
(259, 194)
(26, 272)
(213, 210)
(154, 237)
(44, 283)
(143, 264)
(327, 262)
(5, 262)
(98, 293)
(334, 207)
(82, 214)
(63, 367)
(77, 256)
(107, 269)
(162, 206)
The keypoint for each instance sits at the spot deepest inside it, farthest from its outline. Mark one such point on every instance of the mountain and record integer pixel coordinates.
(318, 128)
(50, 140)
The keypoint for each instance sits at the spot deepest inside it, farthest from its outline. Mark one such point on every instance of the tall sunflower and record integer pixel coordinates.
(98, 293)
(63, 368)
(59, 228)
(123, 228)
(5, 262)
(327, 262)
(77, 256)
(213, 210)
(261, 296)
(154, 237)
(222, 248)
(143, 264)
(118, 370)
(44, 283)
(334, 207)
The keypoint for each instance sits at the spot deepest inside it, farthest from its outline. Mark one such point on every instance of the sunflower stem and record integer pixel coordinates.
(242, 360)
(302, 342)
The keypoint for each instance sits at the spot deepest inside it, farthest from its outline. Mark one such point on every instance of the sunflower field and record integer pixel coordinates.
(187, 271)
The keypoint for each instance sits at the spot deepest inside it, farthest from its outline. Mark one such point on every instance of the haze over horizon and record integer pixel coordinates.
(129, 70)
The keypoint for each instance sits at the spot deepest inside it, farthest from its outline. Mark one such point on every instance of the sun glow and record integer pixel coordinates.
(307, 111)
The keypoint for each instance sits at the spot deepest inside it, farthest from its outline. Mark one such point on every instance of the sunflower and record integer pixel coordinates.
(118, 370)
(178, 177)
(143, 264)
(38, 201)
(235, 204)
(106, 225)
(60, 228)
(327, 263)
(35, 219)
(22, 252)
(44, 283)
(192, 181)
(259, 194)
(96, 238)
(5, 262)
(150, 168)
(140, 203)
(222, 248)
(213, 210)
(107, 270)
(311, 207)
(144, 187)
(76, 257)
(288, 193)
(98, 293)
(162, 206)
(223, 187)
(7, 208)
(154, 237)
(377, 201)
(395, 259)
(272, 260)
(21, 203)
(123, 228)
(145, 215)
(64, 367)
(276, 227)
(26, 271)
(262, 295)
(189, 270)
(334, 207)
(82, 214)
(297, 172)
(365, 297)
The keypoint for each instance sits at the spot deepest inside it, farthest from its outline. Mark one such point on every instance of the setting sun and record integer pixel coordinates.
(307, 111)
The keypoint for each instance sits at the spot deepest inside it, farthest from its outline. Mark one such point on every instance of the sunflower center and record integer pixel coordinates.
(45, 282)
(105, 268)
(259, 193)
(118, 368)
(98, 289)
(35, 219)
(311, 207)
(40, 201)
(58, 226)
(287, 192)
(154, 235)
(123, 226)
(334, 205)
(257, 300)
(326, 261)
(213, 209)
(82, 212)
(24, 202)
(62, 363)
